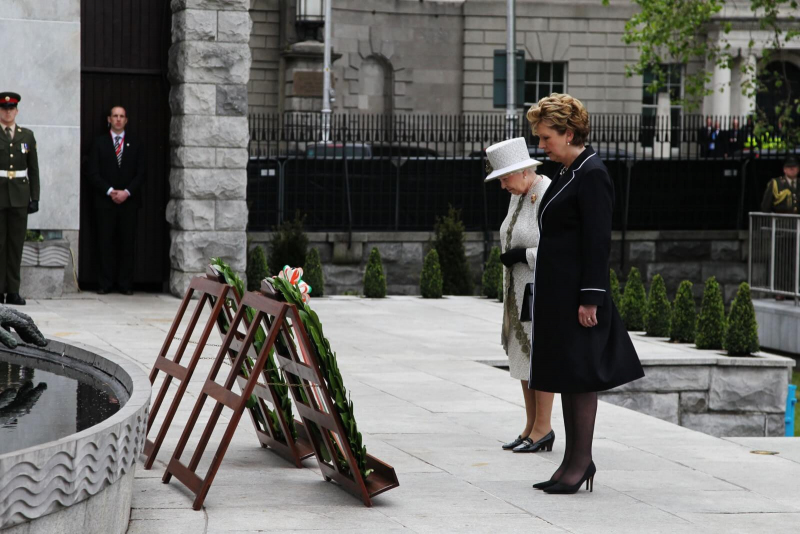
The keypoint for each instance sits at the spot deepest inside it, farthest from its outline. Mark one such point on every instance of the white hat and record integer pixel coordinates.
(509, 156)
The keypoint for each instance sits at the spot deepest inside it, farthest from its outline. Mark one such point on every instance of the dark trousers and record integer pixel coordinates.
(116, 233)
(13, 224)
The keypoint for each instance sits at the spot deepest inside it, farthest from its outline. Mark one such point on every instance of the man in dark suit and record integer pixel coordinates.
(734, 140)
(117, 171)
(19, 195)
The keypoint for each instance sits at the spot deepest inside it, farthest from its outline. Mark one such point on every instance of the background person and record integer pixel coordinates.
(117, 171)
(19, 194)
(519, 239)
(579, 344)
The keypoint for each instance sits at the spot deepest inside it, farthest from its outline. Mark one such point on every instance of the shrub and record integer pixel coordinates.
(312, 273)
(449, 244)
(374, 280)
(288, 245)
(491, 273)
(430, 281)
(501, 294)
(616, 296)
(257, 268)
(711, 322)
(741, 335)
(684, 316)
(657, 315)
(634, 301)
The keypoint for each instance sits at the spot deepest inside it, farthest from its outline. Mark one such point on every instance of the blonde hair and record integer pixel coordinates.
(561, 112)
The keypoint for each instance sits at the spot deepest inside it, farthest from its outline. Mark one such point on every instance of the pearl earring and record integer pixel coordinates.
(568, 142)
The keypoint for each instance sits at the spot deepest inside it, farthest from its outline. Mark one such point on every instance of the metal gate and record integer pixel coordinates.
(124, 46)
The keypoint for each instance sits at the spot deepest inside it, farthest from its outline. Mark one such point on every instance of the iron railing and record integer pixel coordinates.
(774, 254)
(401, 172)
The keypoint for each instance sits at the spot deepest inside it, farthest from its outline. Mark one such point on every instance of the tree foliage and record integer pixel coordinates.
(741, 334)
(668, 32)
(634, 301)
(312, 273)
(684, 316)
(288, 245)
(374, 279)
(257, 268)
(711, 322)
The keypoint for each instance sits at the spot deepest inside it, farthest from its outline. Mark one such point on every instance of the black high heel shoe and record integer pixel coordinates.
(545, 484)
(546, 443)
(511, 445)
(587, 477)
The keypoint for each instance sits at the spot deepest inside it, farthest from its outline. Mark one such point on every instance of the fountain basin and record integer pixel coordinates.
(81, 482)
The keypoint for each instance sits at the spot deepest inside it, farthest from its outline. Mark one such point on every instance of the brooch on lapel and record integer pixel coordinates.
(533, 198)
(488, 167)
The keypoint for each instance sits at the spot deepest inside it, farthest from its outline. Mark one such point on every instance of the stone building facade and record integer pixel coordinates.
(438, 56)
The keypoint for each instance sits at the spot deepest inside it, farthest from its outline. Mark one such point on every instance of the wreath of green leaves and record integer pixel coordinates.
(330, 371)
(274, 374)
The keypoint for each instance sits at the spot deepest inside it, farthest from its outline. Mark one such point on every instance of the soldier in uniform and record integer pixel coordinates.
(19, 194)
(781, 193)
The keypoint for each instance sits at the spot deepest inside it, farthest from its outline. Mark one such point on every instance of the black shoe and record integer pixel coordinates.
(15, 298)
(587, 477)
(511, 445)
(545, 484)
(103, 291)
(545, 444)
(127, 292)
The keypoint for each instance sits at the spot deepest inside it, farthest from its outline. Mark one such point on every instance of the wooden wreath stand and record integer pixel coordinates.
(321, 428)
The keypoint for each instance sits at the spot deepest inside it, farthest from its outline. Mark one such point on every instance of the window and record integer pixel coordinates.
(542, 79)
(674, 86)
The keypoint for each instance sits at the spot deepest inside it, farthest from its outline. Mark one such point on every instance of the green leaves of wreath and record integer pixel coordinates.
(274, 375)
(330, 371)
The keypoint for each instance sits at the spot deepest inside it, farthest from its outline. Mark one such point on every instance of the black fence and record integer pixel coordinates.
(402, 172)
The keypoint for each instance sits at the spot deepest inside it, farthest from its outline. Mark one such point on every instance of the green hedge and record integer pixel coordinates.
(711, 322)
(312, 273)
(616, 296)
(257, 268)
(288, 245)
(430, 280)
(741, 334)
(492, 271)
(374, 280)
(658, 313)
(684, 315)
(634, 301)
(449, 244)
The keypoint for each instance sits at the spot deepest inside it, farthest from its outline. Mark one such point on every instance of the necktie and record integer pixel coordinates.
(118, 150)
(8, 132)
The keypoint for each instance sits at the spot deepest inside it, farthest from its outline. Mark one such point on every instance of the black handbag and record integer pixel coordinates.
(526, 310)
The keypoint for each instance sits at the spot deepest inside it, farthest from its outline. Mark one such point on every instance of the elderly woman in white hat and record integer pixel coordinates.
(519, 241)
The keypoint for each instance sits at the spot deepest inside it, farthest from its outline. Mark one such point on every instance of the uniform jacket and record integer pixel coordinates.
(18, 154)
(572, 269)
(780, 196)
(104, 171)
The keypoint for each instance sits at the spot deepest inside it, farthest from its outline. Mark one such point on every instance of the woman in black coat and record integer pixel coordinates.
(579, 345)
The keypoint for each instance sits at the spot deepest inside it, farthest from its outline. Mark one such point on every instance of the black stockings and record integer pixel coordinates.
(579, 410)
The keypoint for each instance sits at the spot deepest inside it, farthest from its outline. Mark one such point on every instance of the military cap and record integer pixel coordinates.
(9, 99)
(791, 161)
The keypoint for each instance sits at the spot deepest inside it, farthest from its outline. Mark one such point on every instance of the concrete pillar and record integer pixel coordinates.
(719, 101)
(209, 67)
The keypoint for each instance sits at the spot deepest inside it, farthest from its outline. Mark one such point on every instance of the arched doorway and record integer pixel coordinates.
(376, 80)
(124, 48)
(775, 93)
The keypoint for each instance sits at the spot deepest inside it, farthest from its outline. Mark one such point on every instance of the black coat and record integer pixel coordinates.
(572, 269)
(104, 171)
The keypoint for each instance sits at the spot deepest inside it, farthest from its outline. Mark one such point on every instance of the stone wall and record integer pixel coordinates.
(586, 36)
(209, 68)
(265, 47)
(710, 392)
(42, 62)
(676, 255)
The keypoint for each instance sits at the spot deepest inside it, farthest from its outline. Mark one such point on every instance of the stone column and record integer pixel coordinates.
(209, 67)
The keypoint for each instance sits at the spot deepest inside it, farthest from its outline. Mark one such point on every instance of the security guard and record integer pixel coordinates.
(19, 194)
(781, 193)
